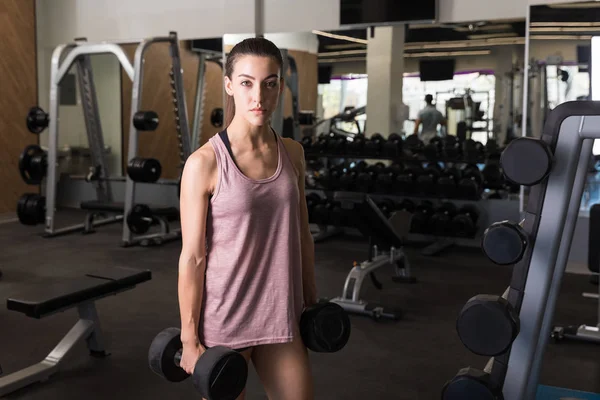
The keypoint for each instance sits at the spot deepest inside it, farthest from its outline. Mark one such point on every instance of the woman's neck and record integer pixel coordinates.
(242, 132)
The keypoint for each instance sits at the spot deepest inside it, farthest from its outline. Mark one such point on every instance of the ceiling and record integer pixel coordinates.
(432, 39)
(579, 20)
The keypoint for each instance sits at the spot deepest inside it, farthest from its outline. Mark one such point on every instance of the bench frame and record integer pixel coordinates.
(86, 328)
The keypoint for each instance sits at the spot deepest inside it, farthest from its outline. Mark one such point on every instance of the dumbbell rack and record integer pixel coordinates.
(440, 243)
(555, 168)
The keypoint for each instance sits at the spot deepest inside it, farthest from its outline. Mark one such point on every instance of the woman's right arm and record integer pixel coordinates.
(196, 186)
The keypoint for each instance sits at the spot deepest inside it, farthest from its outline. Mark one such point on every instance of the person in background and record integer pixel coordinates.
(430, 117)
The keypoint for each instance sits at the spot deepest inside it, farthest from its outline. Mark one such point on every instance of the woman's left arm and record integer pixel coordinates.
(307, 242)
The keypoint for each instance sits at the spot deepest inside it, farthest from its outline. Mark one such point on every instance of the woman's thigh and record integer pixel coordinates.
(284, 370)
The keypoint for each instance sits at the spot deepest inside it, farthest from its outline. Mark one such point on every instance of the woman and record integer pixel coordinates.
(246, 267)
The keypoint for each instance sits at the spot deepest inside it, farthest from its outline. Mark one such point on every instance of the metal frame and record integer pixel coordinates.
(86, 328)
(201, 95)
(128, 238)
(350, 299)
(75, 52)
(549, 255)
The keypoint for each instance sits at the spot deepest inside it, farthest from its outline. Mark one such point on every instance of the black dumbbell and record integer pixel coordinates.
(413, 144)
(356, 145)
(393, 146)
(433, 150)
(307, 144)
(325, 327)
(488, 325)
(220, 373)
(452, 148)
(504, 242)
(374, 145)
(472, 384)
(145, 120)
(420, 222)
(473, 151)
(338, 215)
(312, 199)
(448, 182)
(492, 175)
(526, 161)
(365, 181)
(441, 220)
(337, 145)
(321, 144)
(471, 182)
(464, 224)
(348, 179)
(406, 181)
(427, 180)
(386, 179)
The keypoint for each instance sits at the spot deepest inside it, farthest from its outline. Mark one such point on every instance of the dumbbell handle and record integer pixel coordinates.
(177, 357)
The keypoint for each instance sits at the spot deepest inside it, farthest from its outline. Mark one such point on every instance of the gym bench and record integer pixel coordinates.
(79, 292)
(385, 250)
(138, 221)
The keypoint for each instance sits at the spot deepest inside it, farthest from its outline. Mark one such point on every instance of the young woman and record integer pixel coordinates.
(246, 269)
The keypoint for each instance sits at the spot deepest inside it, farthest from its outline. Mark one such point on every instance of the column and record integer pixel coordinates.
(504, 85)
(385, 69)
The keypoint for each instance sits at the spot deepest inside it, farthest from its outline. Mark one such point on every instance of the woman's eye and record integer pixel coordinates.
(245, 83)
(271, 84)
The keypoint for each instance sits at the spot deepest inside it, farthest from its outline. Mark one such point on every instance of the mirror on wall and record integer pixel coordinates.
(559, 57)
(474, 63)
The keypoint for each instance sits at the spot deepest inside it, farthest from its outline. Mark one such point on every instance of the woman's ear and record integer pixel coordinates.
(228, 86)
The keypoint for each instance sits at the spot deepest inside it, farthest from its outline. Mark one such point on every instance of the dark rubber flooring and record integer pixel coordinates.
(407, 359)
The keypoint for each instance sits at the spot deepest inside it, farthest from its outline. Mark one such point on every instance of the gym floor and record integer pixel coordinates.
(407, 359)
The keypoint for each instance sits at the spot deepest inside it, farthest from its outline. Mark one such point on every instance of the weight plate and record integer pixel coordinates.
(140, 219)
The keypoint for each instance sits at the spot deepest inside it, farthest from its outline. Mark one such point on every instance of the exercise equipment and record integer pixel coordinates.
(219, 374)
(31, 208)
(441, 221)
(583, 332)
(63, 58)
(149, 166)
(325, 327)
(291, 82)
(37, 120)
(145, 120)
(33, 164)
(51, 297)
(216, 117)
(556, 167)
(385, 250)
(464, 224)
(504, 242)
(146, 170)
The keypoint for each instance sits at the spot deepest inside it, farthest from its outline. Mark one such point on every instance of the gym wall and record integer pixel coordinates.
(163, 144)
(18, 94)
(307, 64)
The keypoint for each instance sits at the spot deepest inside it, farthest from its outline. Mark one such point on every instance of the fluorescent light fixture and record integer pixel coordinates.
(340, 37)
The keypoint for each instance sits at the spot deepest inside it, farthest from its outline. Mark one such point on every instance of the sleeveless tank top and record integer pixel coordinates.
(253, 284)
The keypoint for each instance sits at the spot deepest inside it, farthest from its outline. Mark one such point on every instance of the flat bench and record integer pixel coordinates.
(80, 292)
(117, 207)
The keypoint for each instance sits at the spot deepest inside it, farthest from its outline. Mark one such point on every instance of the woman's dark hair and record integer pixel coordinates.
(259, 47)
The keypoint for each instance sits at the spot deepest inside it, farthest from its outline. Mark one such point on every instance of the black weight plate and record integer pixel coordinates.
(161, 355)
(220, 374)
(139, 219)
(37, 120)
(27, 168)
(145, 120)
(216, 117)
(471, 384)
(504, 242)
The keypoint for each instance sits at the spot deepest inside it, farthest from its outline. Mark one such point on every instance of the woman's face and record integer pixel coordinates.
(255, 85)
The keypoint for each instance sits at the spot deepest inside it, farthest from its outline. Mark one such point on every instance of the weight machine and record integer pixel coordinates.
(63, 57)
(134, 230)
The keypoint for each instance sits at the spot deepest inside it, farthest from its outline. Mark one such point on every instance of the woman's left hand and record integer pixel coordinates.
(310, 299)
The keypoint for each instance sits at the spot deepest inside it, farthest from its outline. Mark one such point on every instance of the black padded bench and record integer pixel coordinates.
(117, 207)
(80, 292)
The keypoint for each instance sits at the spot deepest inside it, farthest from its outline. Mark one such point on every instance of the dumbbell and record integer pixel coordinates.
(452, 148)
(420, 222)
(427, 180)
(433, 150)
(488, 324)
(325, 327)
(406, 181)
(472, 384)
(472, 151)
(464, 224)
(413, 144)
(441, 220)
(448, 182)
(145, 120)
(337, 217)
(470, 185)
(337, 145)
(220, 373)
(356, 146)
(320, 145)
(307, 144)
(374, 145)
(365, 181)
(393, 146)
(504, 242)
(387, 178)
(526, 161)
(492, 175)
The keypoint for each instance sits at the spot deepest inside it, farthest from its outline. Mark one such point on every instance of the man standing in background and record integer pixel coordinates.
(430, 118)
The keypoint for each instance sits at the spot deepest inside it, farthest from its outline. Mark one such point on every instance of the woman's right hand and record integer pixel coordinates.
(190, 355)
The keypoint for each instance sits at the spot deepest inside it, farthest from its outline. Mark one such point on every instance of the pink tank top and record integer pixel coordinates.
(253, 286)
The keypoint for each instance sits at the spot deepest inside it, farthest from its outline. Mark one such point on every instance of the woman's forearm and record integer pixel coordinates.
(309, 286)
(190, 291)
